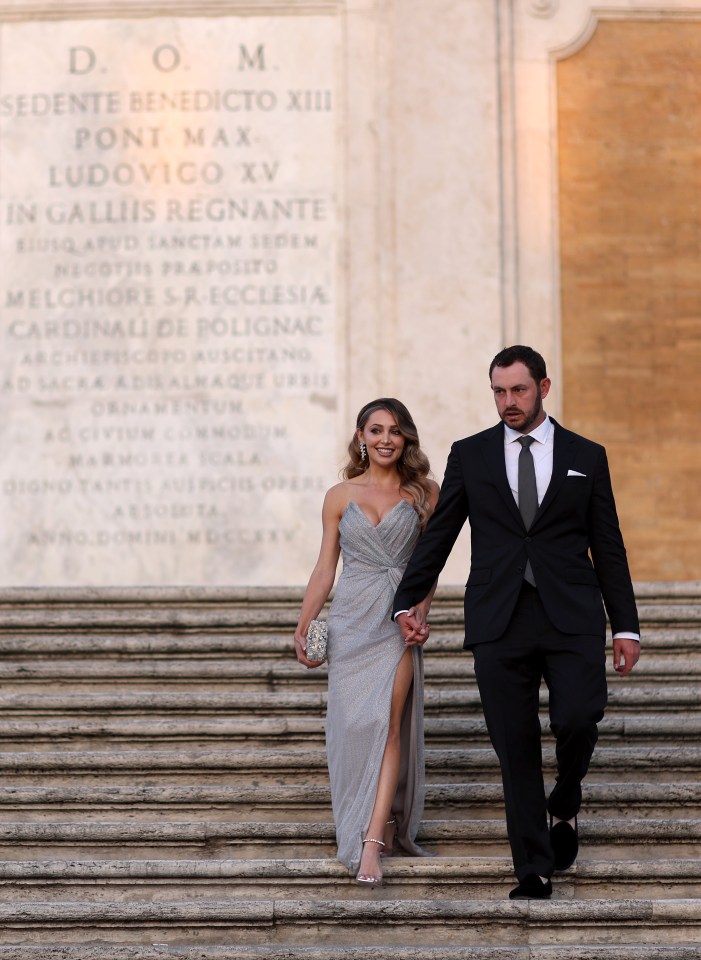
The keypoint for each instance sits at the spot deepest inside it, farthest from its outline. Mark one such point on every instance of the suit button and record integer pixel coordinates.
(527, 539)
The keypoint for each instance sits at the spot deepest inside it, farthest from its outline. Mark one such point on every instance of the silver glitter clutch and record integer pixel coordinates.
(317, 637)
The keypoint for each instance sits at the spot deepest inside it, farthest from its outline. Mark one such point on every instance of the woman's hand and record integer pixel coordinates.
(301, 651)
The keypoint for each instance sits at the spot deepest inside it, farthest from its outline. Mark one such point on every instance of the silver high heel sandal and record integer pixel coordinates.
(366, 878)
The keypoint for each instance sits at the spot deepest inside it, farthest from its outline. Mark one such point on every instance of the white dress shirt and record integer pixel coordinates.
(542, 451)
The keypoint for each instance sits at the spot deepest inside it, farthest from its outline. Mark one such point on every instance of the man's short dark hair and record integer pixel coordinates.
(519, 353)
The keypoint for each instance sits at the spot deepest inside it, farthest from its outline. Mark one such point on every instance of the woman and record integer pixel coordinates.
(374, 723)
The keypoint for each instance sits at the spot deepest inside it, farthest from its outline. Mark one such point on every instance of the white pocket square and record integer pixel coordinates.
(575, 473)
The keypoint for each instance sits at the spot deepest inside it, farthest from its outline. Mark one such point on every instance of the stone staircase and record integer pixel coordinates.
(163, 794)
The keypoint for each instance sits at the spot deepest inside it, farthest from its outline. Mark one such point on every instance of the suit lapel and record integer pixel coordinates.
(496, 463)
(563, 442)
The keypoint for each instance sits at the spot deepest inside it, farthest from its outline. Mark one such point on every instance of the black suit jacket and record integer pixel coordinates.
(574, 543)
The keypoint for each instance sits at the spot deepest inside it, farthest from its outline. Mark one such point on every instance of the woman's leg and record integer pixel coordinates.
(389, 771)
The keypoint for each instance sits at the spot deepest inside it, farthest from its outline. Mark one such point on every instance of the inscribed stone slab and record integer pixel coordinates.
(167, 291)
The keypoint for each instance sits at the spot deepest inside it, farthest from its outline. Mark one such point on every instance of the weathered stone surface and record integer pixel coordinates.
(129, 700)
(305, 761)
(312, 872)
(351, 952)
(570, 920)
(258, 731)
(615, 838)
(76, 795)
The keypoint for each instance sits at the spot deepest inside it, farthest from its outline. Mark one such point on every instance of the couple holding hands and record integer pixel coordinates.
(546, 549)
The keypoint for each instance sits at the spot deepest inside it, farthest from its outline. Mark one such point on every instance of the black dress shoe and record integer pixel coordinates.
(564, 839)
(532, 888)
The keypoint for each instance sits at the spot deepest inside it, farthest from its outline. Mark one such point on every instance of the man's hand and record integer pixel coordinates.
(625, 655)
(414, 630)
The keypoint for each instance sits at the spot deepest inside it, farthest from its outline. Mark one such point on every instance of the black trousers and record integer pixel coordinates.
(509, 673)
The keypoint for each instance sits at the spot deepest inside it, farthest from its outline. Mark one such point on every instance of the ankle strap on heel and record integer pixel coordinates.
(380, 843)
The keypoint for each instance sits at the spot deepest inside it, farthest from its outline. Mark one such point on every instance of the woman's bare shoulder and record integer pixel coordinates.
(338, 496)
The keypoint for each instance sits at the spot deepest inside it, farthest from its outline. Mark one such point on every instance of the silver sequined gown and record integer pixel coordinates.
(364, 650)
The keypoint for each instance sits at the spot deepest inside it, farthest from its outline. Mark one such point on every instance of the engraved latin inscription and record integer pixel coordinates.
(167, 298)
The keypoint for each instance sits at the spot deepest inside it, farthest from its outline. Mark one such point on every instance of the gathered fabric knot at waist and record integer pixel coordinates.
(393, 571)
(394, 574)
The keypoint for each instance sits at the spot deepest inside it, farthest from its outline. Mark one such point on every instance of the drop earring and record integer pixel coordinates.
(363, 452)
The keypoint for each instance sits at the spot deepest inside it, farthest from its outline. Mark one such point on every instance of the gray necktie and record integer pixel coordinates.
(527, 493)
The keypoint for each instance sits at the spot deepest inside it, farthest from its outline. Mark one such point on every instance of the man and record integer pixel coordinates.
(546, 547)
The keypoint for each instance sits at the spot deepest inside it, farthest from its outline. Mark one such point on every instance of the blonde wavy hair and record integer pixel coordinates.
(413, 466)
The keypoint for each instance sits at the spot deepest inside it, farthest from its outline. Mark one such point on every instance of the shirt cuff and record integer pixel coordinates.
(396, 614)
(623, 635)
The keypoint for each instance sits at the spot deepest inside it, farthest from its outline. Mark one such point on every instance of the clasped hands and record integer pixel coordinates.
(414, 626)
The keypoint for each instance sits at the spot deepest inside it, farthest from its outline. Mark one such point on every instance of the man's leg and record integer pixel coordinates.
(575, 672)
(509, 672)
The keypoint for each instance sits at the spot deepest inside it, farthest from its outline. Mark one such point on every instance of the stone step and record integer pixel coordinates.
(152, 608)
(180, 607)
(86, 798)
(624, 699)
(443, 878)
(399, 950)
(187, 679)
(167, 670)
(271, 674)
(376, 919)
(211, 643)
(310, 764)
(244, 642)
(283, 730)
(281, 703)
(612, 837)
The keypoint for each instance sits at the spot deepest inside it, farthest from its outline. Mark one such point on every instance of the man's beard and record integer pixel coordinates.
(531, 416)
